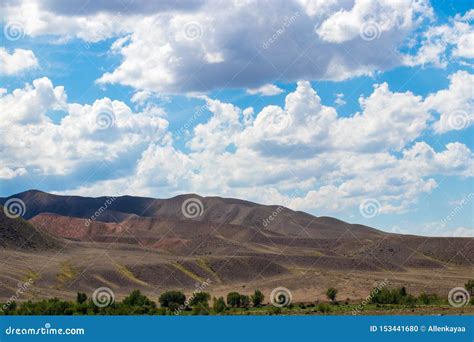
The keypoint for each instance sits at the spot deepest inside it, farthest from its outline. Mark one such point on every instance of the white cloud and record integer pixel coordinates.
(212, 44)
(105, 130)
(455, 104)
(457, 34)
(304, 155)
(265, 90)
(17, 61)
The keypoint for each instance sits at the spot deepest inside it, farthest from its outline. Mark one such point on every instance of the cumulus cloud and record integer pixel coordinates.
(17, 61)
(455, 104)
(203, 45)
(305, 155)
(441, 43)
(104, 130)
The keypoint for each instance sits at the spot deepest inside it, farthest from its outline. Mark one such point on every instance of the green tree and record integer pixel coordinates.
(244, 301)
(219, 305)
(331, 293)
(257, 298)
(172, 299)
(200, 298)
(81, 298)
(233, 299)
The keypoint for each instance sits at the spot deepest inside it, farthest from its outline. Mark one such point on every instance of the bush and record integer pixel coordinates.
(233, 299)
(244, 301)
(257, 298)
(219, 305)
(331, 293)
(324, 308)
(172, 299)
(200, 298)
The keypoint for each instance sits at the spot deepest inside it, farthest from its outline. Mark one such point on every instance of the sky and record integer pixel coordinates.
(360, 110)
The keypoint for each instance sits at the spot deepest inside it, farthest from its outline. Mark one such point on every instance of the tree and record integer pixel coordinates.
(172, 299)
(331, 293)
(244, 301)
(137, 299)
(257, 298)
(470, 286)
(200, 298)
(403, 291)
(233, 299)
(81, 298)
(219, 305)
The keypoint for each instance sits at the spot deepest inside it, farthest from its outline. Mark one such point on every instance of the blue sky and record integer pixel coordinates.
(334, 109)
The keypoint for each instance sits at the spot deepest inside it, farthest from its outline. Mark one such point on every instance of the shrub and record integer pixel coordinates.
(219, 305)
(172, 299)
(331, 293)
(233, 299)
(257, 298)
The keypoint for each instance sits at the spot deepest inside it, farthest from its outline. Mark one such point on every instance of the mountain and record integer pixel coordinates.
(16, 233)
(129, 242)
